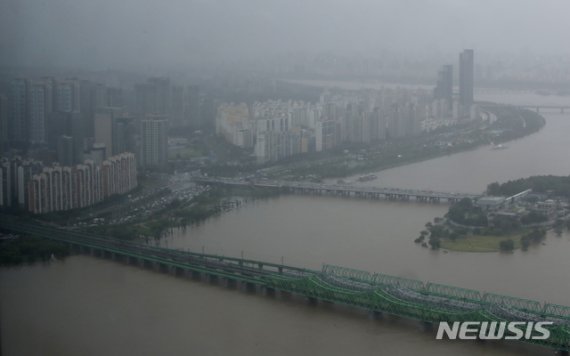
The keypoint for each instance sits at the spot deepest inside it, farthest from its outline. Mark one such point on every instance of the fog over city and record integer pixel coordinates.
(149, 34)
(285, 177)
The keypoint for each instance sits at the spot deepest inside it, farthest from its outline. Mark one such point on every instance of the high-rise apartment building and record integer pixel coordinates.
(154, 141)
(40, 105)
(60, 188)
(67, 96)
(4, 135)
(444, 88)
(466, 78)
(18, 122)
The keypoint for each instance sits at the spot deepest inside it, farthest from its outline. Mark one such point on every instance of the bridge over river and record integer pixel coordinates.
(343, 190)
(536, 107)
(378, 293)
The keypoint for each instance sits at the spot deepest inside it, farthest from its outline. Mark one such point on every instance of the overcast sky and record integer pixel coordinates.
(138, 33)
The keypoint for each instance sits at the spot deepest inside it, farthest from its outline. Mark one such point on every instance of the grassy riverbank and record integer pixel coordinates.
(477, 243)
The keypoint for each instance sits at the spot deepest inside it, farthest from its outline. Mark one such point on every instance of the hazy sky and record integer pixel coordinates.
(139, 33)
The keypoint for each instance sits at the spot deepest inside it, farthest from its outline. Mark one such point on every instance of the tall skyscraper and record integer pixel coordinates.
(65, 151)
(126, 136)
(154, 97)
(3, 124)
(115, 97)
(18, 112)
(444, 88)
(466, 78)
(192, 107)
(104, 130)
(154, 141)
(67, 96)
(39, 109)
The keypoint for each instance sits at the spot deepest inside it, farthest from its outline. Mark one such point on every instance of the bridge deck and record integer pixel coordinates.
(341, 189)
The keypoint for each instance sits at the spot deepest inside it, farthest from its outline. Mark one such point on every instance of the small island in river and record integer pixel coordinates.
(512, 215)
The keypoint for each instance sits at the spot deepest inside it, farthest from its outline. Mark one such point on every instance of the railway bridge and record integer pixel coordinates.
(429, 303)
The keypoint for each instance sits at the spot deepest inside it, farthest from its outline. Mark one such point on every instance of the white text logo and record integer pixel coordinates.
(494, 330)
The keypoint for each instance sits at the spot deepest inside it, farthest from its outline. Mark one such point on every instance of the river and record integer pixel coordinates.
(88, 306)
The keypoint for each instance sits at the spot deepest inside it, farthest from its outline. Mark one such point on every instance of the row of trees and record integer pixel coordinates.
(465, 212)
(555, 185)
(30, 249)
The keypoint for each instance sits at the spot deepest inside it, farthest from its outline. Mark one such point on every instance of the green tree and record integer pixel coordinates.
(507, 245)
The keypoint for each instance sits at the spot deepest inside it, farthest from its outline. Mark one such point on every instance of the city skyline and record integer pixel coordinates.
(104, 36)
(284, 177)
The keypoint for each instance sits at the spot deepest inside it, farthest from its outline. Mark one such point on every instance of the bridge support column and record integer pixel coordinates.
(250, 287)
(197, 276)
(179, 272)
(270, 292)
(163, 268)
(155, 266)
(377, 315)
(213, 279)
(231, 283)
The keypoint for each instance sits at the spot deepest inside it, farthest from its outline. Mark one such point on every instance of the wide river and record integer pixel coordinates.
(96, 307)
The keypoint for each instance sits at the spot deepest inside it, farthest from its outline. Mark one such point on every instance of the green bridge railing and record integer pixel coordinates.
(426, 302)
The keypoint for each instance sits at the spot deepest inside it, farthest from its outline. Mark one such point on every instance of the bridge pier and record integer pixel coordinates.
(177, 271)
(163, 268)
(250, 287)
(377, 315)
(145, 264)
(231, 283)
(270, 292)
(155, 266)
(312, 301)
(213, 279)
(196, 275)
